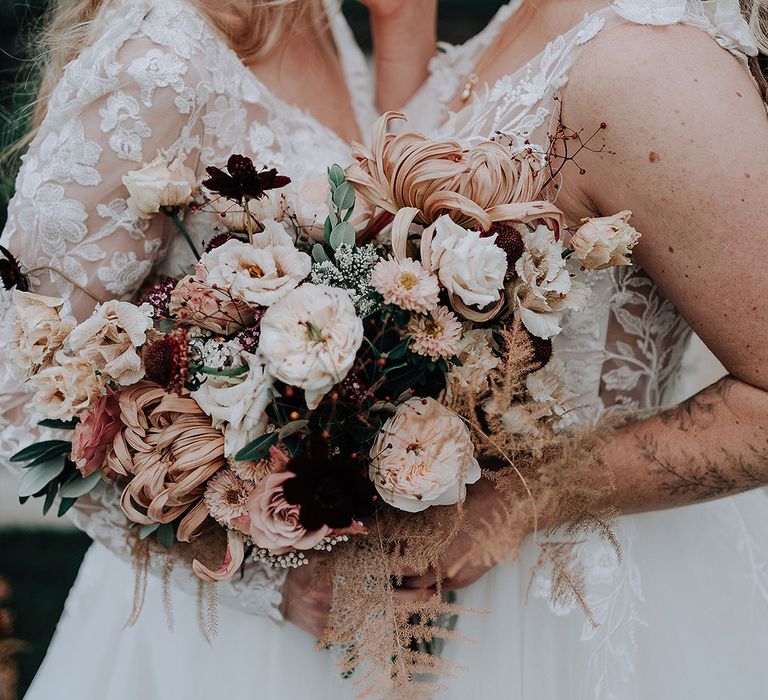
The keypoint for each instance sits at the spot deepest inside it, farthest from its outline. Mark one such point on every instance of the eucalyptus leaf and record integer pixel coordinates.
(318, 254)
(344, 196)
(258, 449)
(343, 233)
(40, 476)
(328, 228)
(147, 530)
(49, 448)
(399, 350)
(336, 175)
(79, 487)
(166, 536)
(292, 427)
(65, 504)
(50, 496)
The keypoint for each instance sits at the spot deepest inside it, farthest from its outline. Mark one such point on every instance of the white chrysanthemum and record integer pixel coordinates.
(435, 336)
(226, 497)
(423, 457)
(545, 288)
(310, 338)
(405, 283)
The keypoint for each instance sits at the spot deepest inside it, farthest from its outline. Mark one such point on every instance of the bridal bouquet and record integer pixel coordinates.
(318, 378)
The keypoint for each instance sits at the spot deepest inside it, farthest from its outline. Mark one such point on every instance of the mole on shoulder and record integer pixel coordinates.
(654, 157)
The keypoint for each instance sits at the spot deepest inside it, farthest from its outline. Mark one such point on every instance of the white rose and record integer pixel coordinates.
(477, 360)
(606, 241)
(423, 457)
(110, 339)
(310, 338)
(159, 185)
(66, 388)
(257, 276)
(545, 288)
(311, 208)
(237, 405)
(272, 206)
(37, 333)
(468, 265)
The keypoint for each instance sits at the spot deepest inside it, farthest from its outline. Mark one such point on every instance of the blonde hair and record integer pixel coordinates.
(252, 27)
(756, 13)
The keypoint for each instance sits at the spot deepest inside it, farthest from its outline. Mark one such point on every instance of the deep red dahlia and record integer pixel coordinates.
(166, 361)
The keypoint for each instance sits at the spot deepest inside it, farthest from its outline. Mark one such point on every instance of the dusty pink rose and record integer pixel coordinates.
(195, 301)
(275, 523)
(95, 433)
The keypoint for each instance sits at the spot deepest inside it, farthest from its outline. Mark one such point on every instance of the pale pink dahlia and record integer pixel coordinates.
(226, 496)
(435, 336)
(405, 283)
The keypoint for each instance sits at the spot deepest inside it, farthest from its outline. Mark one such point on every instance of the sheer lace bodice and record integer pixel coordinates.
(625, 350)
(158, 81)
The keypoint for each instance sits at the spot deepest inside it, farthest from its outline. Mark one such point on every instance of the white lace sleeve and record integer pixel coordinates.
(124, 101)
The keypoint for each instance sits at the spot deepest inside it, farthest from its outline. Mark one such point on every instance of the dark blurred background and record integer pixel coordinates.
(38, 564)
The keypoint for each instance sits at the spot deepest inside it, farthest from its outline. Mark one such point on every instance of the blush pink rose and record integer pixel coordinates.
(275, 523)
(95, 433)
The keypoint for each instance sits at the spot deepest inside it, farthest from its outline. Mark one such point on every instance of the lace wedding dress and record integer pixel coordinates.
(159, 80)
(684, 616)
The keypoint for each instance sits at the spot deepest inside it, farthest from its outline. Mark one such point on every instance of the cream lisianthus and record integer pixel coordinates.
(111, 337)
(159, 184)
(237, 405)
(469, 266)
(545, 288)
(66, 388)
(258, 276)
(309, 339)
(605, 241)
(422, 457)
(37, 333)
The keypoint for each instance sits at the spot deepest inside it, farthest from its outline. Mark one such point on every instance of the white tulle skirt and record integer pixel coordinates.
(685, 616)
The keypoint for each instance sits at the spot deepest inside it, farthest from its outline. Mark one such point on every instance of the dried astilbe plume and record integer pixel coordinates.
(541, 478)
(419, 179)
(167, 450)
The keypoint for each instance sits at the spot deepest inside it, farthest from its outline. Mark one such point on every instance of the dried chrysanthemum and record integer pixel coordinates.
(426, 179)
(436, 335)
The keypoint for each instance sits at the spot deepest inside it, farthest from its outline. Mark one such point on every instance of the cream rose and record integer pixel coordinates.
(423, 457)
(468, 265)
(110, 339)
(545, 288)
(605, 241)
(37, 333)
(311, 208)
(66, 388)
(237, 405)
(310, 338)
(257, 276)
(159, 184)
(271, 207)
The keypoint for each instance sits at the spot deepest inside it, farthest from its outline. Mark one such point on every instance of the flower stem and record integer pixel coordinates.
(234, 372)
(182, 229)
(64, 275)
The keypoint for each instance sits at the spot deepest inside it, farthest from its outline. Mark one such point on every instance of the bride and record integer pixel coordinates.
(684, 614)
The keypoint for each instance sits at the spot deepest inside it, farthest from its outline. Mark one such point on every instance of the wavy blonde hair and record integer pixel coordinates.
(252, 27)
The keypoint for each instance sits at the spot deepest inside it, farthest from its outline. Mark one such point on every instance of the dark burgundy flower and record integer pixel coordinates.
(249, 338)
(242, 181)
(330, 490)
(508, 238)
(542, 350)
(218, 240)
(166, 361)
(10, 272)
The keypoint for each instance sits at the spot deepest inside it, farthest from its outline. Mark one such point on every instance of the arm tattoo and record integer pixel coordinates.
(698, 411)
